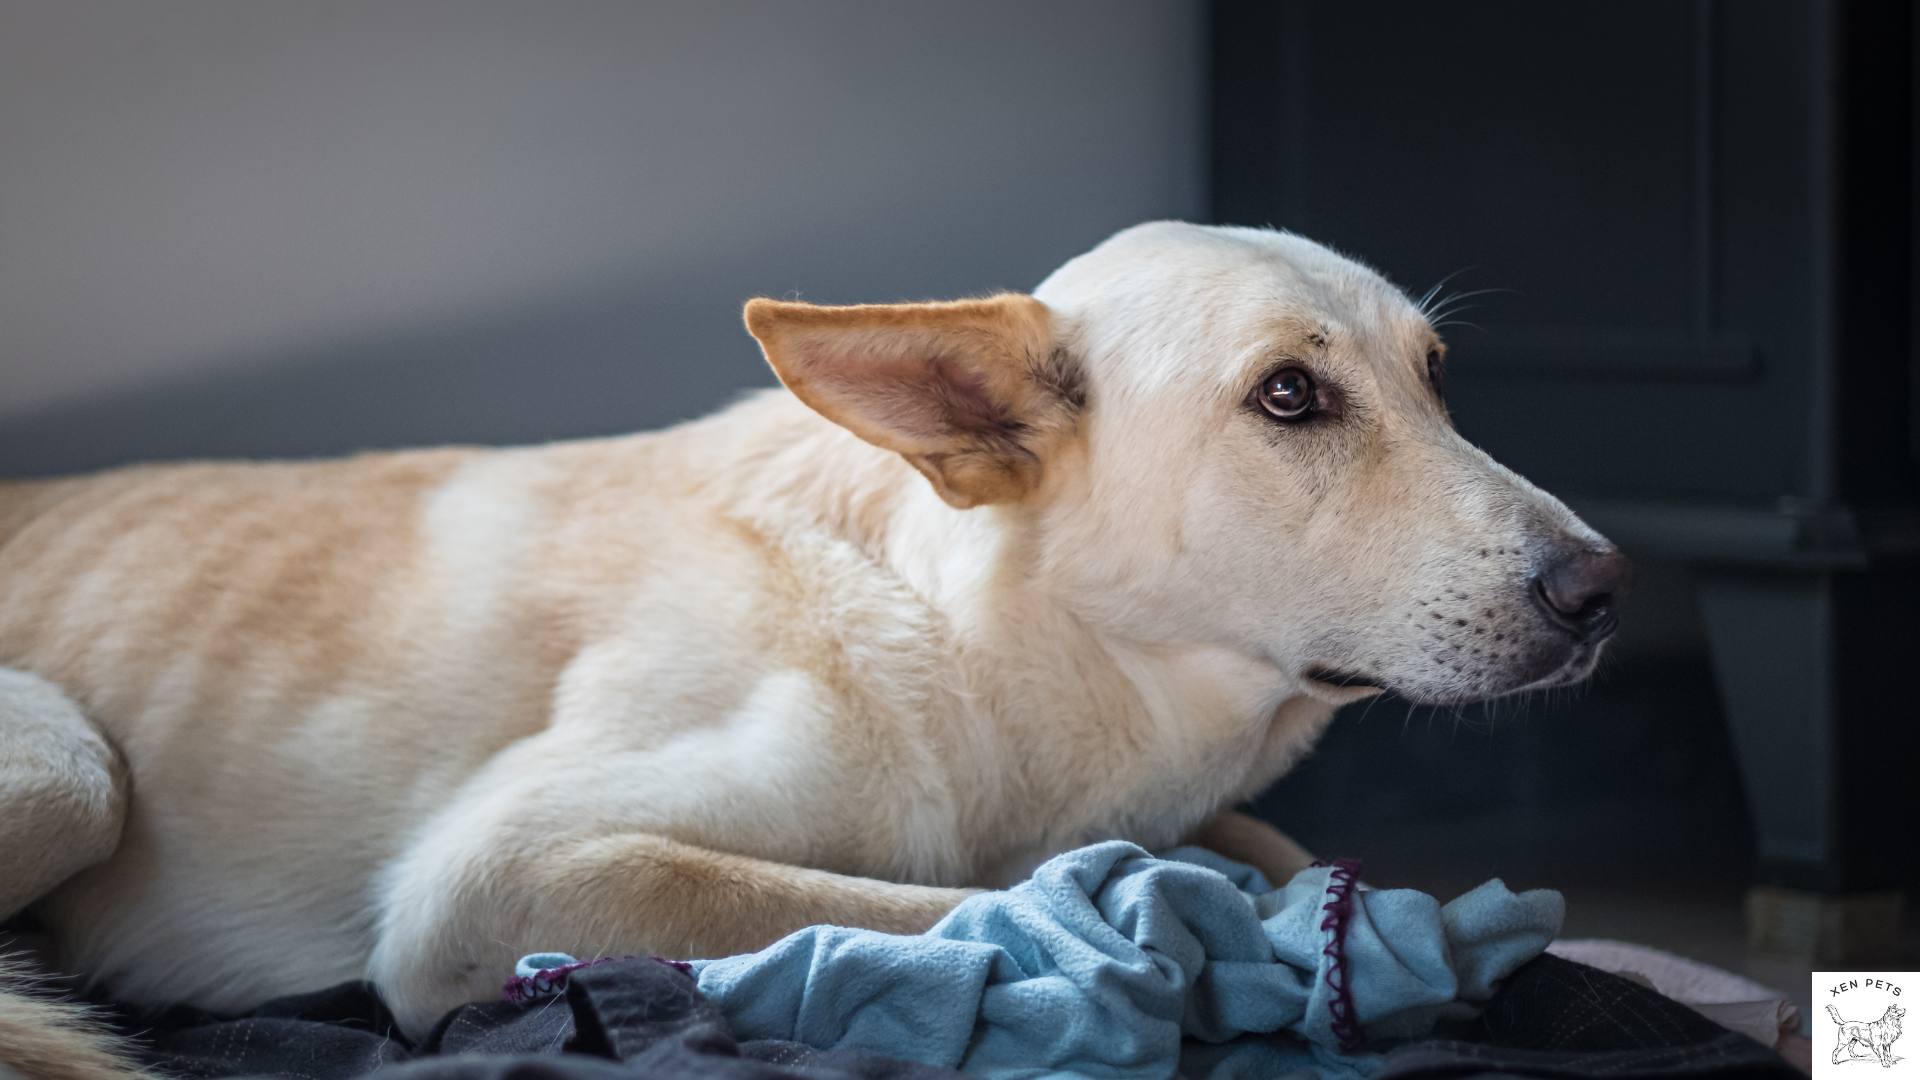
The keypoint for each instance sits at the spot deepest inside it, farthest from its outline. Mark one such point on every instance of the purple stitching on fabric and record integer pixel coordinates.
(1339, 909)
(524, 988)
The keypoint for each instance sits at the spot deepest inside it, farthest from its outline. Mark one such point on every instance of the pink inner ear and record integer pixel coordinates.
(927, 399)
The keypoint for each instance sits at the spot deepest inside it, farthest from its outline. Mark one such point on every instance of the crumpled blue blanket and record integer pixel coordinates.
(1106, 957)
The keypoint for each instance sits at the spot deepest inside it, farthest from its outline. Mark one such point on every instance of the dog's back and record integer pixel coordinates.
(228, 627)
(302, 662)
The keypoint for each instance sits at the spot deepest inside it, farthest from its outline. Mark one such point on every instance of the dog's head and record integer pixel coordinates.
(1232, 438)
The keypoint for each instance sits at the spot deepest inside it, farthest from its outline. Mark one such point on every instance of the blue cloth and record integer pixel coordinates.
(533, 964)
(1100, 962)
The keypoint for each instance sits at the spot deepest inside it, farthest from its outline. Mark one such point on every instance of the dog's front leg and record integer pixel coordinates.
(456, 921)
(1247, 839)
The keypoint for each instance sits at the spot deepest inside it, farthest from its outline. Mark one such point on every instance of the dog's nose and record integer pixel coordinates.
(1579, 589)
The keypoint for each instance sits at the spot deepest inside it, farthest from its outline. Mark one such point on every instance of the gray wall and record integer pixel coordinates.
(241, 228)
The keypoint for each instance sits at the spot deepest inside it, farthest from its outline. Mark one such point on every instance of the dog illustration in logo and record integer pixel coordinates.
(1859, 1039)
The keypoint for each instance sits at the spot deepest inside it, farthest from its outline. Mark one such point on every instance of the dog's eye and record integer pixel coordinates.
(1288, 394)
(1437, 372)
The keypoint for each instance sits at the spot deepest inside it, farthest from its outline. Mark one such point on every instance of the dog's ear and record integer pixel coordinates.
(972, 392)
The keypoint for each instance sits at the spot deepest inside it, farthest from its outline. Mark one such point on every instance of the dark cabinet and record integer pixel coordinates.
(1695, 220)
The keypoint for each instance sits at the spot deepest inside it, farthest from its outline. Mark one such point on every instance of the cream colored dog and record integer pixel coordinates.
(988, 580)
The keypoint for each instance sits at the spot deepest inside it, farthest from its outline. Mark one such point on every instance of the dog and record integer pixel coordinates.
(1862, 1040)
(984, 581)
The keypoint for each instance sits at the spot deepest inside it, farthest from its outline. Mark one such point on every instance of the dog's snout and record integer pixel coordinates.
(1579, 590)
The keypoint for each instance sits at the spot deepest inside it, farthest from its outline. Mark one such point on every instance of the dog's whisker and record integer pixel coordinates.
(1438, 313)
(1456, 297)
(1426, 298)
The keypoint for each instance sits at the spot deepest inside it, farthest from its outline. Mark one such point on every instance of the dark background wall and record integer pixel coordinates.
(1685, 234)
(1554, 165)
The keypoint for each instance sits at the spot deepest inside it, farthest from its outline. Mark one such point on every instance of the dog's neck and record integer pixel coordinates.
(1161, 734)
(1164, 732)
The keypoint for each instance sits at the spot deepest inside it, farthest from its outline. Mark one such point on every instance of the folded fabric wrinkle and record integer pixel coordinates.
(542, 975)
(1102, 961)
(643, 1020)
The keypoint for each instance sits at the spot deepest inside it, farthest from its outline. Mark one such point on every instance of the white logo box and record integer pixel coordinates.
(1862, 1025)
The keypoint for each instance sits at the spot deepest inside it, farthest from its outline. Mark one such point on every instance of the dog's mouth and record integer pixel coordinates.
(1344, 680)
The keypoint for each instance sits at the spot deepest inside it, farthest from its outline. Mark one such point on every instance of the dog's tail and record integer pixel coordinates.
(44, 1038)
(1835, 1013)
